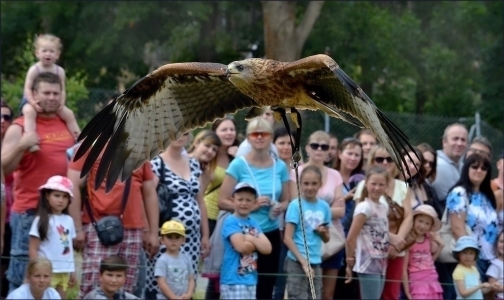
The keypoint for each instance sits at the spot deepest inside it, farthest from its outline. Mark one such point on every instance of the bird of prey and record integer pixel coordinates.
(179, 97)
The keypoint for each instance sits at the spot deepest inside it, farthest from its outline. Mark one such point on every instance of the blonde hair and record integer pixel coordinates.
(37, 263)
(376, 170)
(47, 38)
(319, 135)
(209, 137)
(371, 158)
(259, 124)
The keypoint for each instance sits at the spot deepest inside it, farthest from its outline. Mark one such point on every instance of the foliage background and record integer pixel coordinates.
(417, 59)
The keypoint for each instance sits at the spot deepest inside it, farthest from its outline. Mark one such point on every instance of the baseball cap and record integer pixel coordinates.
(243, 186)
(173, 226)
(58, 183)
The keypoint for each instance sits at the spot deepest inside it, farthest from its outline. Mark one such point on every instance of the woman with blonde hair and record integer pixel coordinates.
(270, 177)
(331, 191)
(397, 192)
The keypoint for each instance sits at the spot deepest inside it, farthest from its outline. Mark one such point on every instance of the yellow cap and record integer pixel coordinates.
(173, 226)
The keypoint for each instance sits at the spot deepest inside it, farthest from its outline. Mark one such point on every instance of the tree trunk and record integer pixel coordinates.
(283, 40)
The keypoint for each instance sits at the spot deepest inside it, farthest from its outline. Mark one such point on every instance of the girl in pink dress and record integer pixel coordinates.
(420, 279)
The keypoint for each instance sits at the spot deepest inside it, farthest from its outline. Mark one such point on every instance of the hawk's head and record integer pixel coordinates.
(241, 72)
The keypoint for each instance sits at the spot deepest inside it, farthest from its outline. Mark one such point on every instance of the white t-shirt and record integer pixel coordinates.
(496, 270)
(245, 148)
(23, 292)
(400, 191)
(371, 252)
(58, 246)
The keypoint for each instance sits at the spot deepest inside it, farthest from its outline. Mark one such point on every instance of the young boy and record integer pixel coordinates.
(173, 270)
(242, 237)
(112, 279)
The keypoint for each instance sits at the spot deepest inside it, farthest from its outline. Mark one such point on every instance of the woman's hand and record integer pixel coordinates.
(307, 267)
(72, 280)
(348, 274)
(232, 150)
(261, 202)
(205, 247)
(397, 241)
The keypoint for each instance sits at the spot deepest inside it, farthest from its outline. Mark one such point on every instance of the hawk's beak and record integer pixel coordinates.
(227, 72)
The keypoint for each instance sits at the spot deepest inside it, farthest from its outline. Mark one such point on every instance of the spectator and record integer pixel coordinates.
(422, 192)
(499, 200)
(368, 141)
(245, 145)
(331, 191)
(480, 145)
(225, 129)
(333, 151)
(31, 170)
(498, 182)
(182, 175)
(7, 116)
(270, 177)
(471, 203)
(495, 272)
(113, 276)
(2, 211)
(430, 162)
(174, 270)
(141, 197)
(38, 282)
(398, 192)
(204, 148)
(449, 161)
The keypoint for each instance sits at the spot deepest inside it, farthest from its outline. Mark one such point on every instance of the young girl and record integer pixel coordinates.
(495, 272)
(47, 50)
(52, 232)
(420, 279)
(38, 281)
(466, 276)
(316, 216)
(368, 240)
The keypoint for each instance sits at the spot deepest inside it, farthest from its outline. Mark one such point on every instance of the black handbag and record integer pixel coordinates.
(165, 197)
(110, 229)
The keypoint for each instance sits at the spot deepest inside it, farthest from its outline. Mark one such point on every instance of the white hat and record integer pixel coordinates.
(428, 210)
(58, 183)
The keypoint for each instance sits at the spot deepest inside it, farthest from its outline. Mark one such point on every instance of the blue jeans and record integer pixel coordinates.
(281, 281)
(371, 285)
(20, 225)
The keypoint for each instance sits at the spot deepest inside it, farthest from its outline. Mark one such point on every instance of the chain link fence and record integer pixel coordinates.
(419, 128)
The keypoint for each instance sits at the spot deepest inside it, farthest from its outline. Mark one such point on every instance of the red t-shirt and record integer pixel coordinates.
(35, 168)
(103, 204)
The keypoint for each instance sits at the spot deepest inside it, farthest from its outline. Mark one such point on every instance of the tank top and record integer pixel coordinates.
(420, 257)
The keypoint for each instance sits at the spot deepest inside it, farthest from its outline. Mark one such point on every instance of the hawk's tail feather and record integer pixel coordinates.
(398, 141)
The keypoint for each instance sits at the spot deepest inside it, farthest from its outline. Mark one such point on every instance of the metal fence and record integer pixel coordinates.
(419, 128)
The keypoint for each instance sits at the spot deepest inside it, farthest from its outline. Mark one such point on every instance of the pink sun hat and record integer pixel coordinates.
(58, 183)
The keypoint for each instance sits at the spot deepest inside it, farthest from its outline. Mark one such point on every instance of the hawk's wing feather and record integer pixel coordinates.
(155, 111)
(341, 97)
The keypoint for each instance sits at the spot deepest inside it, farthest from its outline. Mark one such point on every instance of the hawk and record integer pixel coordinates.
(177, 98)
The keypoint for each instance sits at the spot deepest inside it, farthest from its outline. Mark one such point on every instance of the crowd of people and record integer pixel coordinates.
(346, 225)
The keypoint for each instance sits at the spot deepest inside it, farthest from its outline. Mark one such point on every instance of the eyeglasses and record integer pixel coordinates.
(7, 118)
(323, 147)
(255, 135)
(482, 168)
(380, 160)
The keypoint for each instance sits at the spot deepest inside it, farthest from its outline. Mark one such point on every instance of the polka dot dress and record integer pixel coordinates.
(185, 208)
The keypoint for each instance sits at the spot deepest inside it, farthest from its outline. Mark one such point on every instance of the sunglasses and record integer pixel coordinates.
(255, 135)
(380, 160)
(323, 147)
(7, 118)
(482, 168)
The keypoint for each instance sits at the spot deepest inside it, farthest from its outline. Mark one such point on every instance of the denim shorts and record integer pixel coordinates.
(20, 224)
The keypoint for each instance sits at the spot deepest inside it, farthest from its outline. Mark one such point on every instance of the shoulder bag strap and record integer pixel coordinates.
(161, 171)
(123, 202)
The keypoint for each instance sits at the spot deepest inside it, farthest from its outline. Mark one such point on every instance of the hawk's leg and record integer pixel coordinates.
(296, 118)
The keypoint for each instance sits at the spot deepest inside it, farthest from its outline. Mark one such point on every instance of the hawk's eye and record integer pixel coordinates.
(240, 68)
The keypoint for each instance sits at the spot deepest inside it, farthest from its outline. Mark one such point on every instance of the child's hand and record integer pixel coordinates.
(322, 229)
(496, 286)
(73, 280)
(37, 107)
(486, 285)
(186, 296)
(348, 274)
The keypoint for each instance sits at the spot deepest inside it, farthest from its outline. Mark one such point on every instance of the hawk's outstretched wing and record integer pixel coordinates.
(339, 96)
(157, 110)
